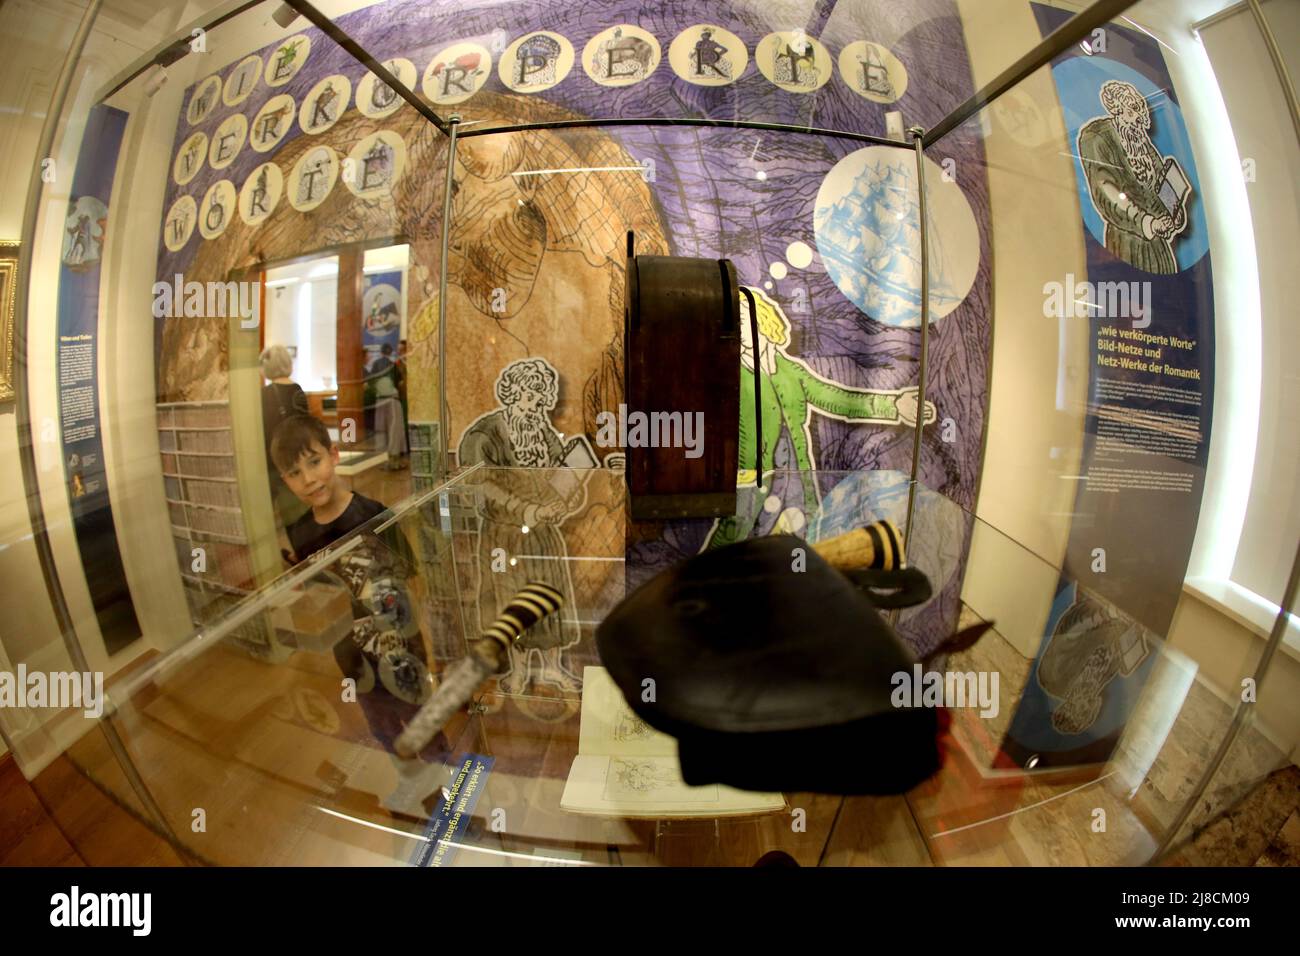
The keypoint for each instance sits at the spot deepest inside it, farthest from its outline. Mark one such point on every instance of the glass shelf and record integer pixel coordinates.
(288, 770)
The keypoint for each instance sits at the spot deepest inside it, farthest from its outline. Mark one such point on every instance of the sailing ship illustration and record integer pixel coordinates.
(870, 240)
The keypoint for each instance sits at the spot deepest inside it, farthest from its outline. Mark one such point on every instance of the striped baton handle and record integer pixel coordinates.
(877, 545)
(486, 655)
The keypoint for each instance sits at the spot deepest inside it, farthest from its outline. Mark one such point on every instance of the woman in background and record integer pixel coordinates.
(390, 420)
(282, 398)
(399, 368)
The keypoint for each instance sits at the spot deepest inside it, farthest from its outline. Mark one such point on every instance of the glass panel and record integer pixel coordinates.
(1255, 143)
(536, 272)
(254, 714)
(300, 154)
(201, 164)
(88, 390)
(290, 765)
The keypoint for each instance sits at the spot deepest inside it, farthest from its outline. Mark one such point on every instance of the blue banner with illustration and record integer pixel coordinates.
(381, 313)
(1149, 297)
(84, 230)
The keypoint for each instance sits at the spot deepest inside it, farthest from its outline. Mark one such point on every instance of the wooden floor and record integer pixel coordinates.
(29, 836)
(104, 833)
(274, 790)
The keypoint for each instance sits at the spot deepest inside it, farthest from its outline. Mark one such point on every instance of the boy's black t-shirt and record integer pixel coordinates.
(308, 536)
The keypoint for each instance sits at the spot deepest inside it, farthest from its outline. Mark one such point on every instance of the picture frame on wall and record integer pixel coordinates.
(8, 296)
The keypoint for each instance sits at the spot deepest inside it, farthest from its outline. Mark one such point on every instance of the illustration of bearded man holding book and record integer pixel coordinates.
(1140, 194)
(530, 488)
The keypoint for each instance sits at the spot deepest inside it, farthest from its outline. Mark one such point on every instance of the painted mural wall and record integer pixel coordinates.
(295, 148)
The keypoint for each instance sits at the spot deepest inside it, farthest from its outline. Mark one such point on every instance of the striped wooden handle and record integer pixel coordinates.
(535, 602)
(877, 545)
(525, 609)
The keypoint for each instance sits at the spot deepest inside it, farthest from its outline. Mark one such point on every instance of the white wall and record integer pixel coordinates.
(28, 69)
(1225, 645)
(321, 372)
(1266, 138)
(281, 315)
(1040, 366)
(304, 315)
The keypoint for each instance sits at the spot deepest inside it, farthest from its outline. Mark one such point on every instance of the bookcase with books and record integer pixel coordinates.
(202, 492)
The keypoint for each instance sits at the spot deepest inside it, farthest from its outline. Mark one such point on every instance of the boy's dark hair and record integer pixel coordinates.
(294, 437)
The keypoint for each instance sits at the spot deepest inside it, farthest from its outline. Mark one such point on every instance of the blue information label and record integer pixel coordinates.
(447, 825)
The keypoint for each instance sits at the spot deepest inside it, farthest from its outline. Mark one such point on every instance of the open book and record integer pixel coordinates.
(626, 768)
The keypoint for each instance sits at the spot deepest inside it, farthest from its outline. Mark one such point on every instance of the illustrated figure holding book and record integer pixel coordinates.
(523, 509)
(1139, 193)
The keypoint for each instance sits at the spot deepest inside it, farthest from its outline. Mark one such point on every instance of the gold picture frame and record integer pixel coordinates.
(8, 295)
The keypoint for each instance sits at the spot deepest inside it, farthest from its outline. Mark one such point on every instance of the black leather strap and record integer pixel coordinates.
(899, 587)
(758, 407)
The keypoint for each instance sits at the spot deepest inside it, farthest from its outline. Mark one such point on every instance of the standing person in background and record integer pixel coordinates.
(282, 398)
(399, 368)
(390, 420)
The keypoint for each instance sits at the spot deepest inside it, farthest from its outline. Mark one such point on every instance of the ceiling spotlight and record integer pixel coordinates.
(154, 79)
(285, 15)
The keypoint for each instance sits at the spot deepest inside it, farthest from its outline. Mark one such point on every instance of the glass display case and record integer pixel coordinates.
(249, 745)
(993, 291)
